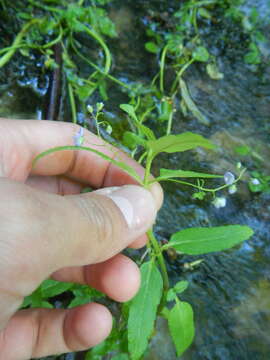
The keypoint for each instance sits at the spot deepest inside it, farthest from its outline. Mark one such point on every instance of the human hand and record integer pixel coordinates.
(76, 237)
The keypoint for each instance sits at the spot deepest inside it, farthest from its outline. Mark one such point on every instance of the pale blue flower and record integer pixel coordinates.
(255, 181)
(78, 138)
(229, 178)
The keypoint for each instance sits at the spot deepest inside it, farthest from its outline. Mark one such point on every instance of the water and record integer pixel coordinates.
(230, 291)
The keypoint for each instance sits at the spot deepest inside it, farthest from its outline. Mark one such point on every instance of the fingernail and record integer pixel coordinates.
(136, 204)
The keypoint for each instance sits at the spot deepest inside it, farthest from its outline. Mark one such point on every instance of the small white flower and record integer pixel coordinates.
(90, 109)
(229, 178)
(100, 106)
(255, 181)
(238, 165)
(219, 202)
(232, 189)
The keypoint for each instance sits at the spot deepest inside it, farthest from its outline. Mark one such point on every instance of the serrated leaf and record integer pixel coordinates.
(196, 241)
(120, 164)
(181, 325)
(50, 288)
(178, 143)
(143, 309)
(168, 174)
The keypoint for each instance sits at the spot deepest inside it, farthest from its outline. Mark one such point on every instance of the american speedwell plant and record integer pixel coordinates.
(156, 295)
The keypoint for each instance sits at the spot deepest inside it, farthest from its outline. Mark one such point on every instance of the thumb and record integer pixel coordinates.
(106, 222)
(41, 233)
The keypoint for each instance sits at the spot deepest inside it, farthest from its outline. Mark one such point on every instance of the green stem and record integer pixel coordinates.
(108, 58)
(5, 58)
(45, 7)
(148, 169)
(89, 62)
(178, 76)
(162, 68)
(72, 103)
(169, 125)
(160, 258)
(158, 179)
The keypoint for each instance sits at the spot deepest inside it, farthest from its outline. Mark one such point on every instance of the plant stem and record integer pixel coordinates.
(108, 58)
(16, 43)
(160, 258)
(178, 76)
(162, 68)
(148, 169)
(169, 125)
(72, 104)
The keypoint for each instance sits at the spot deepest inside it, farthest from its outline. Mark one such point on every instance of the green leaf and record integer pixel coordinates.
(200, 54)
(50, 288)
(120, 164)
(132, 140)
(180, 287)
(181, 325)
(130, 110)
(152, 47)
(253, 56)
(143, 309)
(179, 143)
(196, 241)
(191, 105)
(243, 150)
(168, 174)
(200, 195)
(120, 357)
(213, 72)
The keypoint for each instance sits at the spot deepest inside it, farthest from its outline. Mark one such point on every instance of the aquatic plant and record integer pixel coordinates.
(60, 28)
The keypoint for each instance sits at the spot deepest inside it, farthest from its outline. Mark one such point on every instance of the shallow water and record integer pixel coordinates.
(230, 291)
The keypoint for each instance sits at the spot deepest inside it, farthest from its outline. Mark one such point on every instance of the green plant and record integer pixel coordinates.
(68, 23)
(156, 290)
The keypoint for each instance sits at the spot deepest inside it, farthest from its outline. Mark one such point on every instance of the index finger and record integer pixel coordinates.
(21, 141)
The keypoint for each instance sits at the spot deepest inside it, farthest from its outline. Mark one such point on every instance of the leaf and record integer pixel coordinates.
(180, 287)
(213, 72)
(178, 143)
(50, 288)
(196, 241)
(200, 195)
(151, 47)
(168, 174)
(143, 310)
(253, 56)
(120, 357)
(132, 140)
(181, 325)
(128, 169)
(191, 105)
(242, 150)
(129, 109)
(200, 54)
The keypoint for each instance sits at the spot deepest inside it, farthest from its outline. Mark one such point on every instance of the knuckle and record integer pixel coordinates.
(104, 222)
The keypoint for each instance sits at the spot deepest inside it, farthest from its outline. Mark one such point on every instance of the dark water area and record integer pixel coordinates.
(230, 291)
